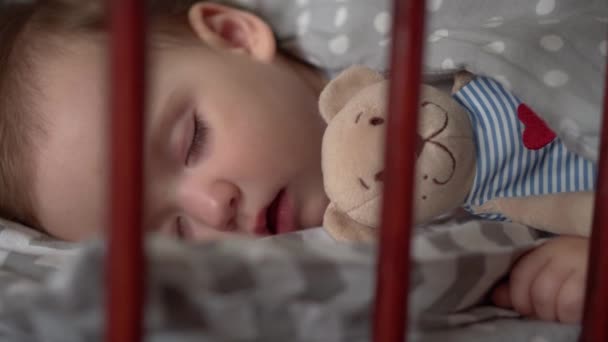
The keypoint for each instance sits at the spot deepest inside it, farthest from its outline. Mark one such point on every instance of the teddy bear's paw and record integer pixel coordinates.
(344, 228)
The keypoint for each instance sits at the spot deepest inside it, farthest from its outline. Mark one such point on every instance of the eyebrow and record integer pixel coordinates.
(171, 109)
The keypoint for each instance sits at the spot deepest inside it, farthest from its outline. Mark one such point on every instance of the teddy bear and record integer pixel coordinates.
(461, 161)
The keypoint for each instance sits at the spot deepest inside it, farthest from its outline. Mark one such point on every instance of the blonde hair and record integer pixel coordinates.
(23, 27)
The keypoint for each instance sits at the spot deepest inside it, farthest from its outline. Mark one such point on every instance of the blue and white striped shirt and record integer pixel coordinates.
(507, 168)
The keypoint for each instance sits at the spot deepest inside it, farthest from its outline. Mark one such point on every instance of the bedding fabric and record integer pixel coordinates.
(296, 287)
(551, 53)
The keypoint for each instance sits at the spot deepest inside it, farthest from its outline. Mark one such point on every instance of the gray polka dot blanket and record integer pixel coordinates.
(296, 287)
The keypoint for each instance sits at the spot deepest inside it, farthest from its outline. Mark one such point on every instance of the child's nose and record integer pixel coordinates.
(214, 206)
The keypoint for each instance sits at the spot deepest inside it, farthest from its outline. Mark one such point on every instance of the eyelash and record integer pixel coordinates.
(198, 139)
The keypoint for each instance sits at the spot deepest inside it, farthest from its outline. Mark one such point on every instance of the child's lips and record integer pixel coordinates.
(260, 223)
(278, 217)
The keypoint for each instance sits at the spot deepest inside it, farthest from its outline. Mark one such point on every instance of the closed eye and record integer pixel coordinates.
(197, 143)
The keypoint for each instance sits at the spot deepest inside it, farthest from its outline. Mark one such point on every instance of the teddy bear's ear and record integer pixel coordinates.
(341, 89)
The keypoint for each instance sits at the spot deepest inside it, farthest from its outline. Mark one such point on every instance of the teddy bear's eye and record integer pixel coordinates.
(375, 121)
(358, 117)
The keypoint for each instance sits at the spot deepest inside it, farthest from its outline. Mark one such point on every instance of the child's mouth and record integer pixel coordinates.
(271, 214)
(278, 218)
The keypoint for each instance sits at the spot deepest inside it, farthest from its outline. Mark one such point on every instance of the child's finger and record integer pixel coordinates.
(571, 298)
(501, 296)
(521, 279)
(546, 287)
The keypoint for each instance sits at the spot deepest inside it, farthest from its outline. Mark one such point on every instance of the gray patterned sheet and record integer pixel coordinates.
(297, 287)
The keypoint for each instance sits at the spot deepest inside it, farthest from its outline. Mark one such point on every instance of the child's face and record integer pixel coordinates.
(257, 144)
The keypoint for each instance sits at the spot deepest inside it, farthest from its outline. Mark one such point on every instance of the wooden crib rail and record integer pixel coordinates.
(125, 263)
(595, 320)
(392, 276)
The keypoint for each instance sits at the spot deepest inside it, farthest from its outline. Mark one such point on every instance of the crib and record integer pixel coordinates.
(125, 283)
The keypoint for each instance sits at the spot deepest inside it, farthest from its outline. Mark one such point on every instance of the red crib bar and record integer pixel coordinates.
(125, 264)
(394, 253)
(595, 320)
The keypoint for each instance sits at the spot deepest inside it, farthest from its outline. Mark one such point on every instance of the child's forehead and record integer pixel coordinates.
(68, 64)
(73, 107)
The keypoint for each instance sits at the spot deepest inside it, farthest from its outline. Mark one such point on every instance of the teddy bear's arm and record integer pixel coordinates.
(343, 228)
(568, 213)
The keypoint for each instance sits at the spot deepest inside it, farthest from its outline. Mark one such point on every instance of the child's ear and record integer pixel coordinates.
(224, 27)
(344, 87)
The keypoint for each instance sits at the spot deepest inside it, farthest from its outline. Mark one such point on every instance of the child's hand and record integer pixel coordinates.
(549, 282)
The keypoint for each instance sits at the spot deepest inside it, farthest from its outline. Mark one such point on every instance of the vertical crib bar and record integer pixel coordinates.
(124, 267)
(390, 319)
(596, 298)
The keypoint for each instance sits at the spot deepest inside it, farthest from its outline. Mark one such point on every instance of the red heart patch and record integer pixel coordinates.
(536, 132)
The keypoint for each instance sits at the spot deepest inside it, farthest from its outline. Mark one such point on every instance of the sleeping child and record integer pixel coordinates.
(232, 136)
